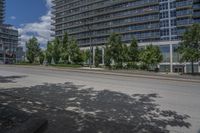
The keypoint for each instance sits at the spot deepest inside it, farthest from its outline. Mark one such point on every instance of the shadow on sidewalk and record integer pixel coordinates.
(9, 79)
(70, 109)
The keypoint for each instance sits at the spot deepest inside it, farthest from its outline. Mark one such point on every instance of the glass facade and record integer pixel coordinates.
(176, 55)
(147, 20)
(165, 49)
(160, 22)
(189, 68)
(139, 18)
(8, 37)
(2, 11)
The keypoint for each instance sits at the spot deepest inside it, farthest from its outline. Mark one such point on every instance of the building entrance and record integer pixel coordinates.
(178, 69)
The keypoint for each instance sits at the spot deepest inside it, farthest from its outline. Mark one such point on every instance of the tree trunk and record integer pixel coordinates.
(192, 67)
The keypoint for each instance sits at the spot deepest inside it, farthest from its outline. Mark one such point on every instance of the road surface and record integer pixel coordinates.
(98, 103)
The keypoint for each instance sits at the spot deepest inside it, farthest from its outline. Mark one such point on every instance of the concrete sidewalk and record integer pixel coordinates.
(125, 73)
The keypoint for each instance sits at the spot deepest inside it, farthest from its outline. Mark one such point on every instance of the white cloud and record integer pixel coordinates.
(49, 3)
(13, 17)
(41, 30)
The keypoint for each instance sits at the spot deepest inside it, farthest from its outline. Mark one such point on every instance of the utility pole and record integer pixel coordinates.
(90, 31)
(90, 41)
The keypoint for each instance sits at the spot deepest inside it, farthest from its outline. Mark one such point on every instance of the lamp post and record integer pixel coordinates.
(90, 31)
(90, 41)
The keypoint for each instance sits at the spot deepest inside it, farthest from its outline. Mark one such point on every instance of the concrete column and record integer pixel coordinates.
(171, 58)
(185, 68)
(199, 66)
(103, 53)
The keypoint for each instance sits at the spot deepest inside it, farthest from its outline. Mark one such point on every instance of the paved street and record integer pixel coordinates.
(96, 103)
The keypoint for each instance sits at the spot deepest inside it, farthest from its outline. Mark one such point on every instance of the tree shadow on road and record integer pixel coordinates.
(70, 109)
(9, 79)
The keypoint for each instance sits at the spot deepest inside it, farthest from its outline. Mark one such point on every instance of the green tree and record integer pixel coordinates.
(125, 53)
(65, 48)
(74, 52)
(151, 56)
(41, 57)
(116, 49)
(107, 56)
(98, 56)
(56, 52)
(86, 56)
(33, 49)
(49, 52)
(133, 51)
(189, 47)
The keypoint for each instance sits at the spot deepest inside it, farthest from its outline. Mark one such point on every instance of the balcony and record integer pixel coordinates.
(196, 14)
(184, 5)
(131, 14)
(184, 13)
(184, 23)
(196, 7)
(106, 8)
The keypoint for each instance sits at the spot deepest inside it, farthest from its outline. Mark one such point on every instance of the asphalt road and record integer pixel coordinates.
(98, 103)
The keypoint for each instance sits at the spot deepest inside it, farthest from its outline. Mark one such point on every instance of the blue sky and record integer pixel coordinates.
(30, 17)
(24, 11)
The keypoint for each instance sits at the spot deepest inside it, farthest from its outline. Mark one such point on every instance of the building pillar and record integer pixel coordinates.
(185, 68)
(199, 67)
(171, 58)
(103, 53)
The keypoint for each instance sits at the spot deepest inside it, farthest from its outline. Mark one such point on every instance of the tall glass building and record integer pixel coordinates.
(2, 10)
(160, 22)
(8, 38)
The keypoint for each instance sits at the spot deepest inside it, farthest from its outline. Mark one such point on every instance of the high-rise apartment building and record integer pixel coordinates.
(8, 38)
(2, 11)
(160, 22)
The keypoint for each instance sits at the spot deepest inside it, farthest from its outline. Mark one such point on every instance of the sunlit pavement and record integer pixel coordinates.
(80, 102)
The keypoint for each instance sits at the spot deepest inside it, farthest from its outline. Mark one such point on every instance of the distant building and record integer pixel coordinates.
(8, 39)
(20, 54)
(160, 22)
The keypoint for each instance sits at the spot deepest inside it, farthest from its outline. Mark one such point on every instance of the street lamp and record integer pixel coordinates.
(90, 31)
(90, 40)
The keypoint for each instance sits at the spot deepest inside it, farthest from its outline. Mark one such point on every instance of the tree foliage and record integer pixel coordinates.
(49, 52)
(98, 56)
(133, 52)
(115, 50)
(120, 53)
(76, 56)
(189, 47)
(86, 56)
(65, 48)
(56, 51)
(41, 57)
(107, 56)
(33, 49)
(151, 56)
